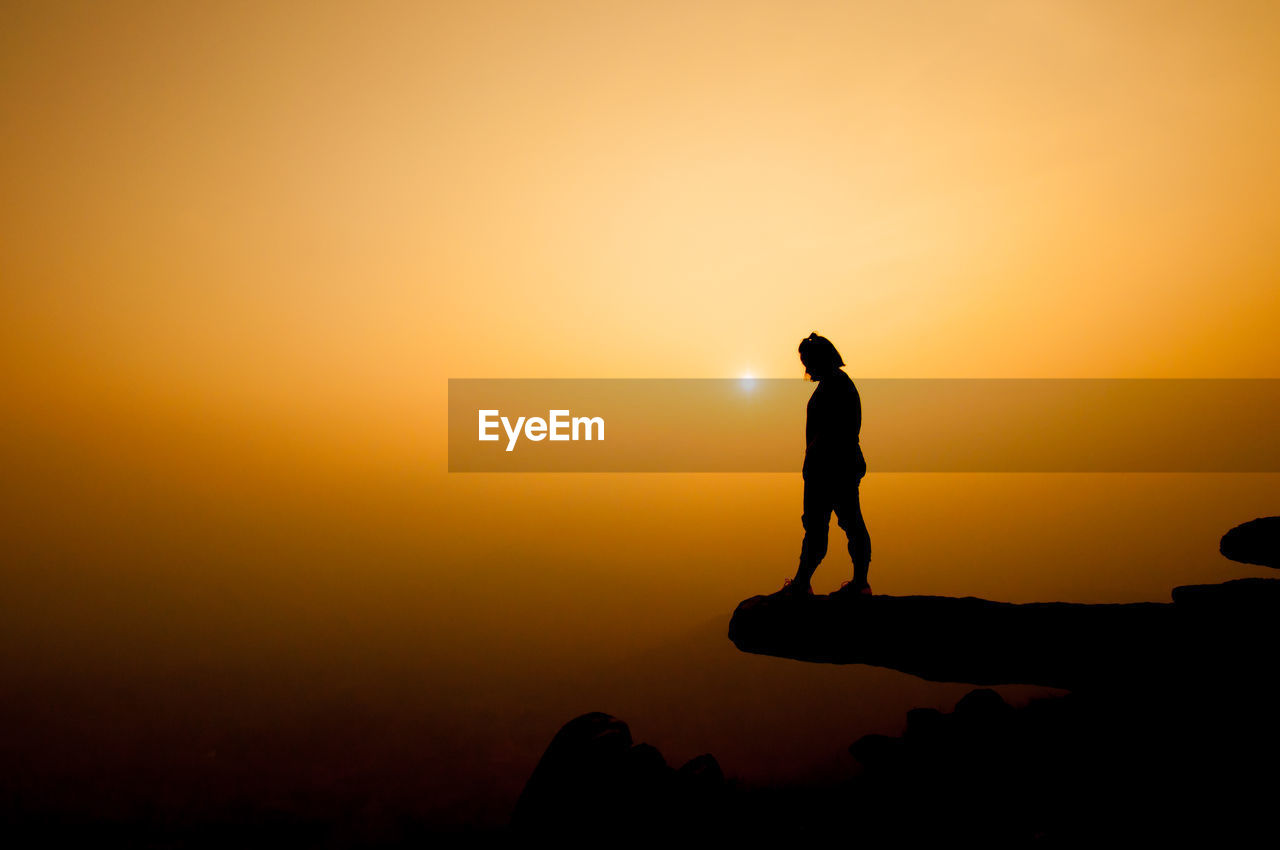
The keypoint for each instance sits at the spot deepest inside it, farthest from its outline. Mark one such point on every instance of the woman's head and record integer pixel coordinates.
(819, 356)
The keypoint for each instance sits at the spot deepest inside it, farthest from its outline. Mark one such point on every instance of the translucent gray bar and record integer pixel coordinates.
(909, 425)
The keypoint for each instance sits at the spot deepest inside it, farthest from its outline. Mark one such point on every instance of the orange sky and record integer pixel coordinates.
(244, 245)
(356, 203)
(238, 240)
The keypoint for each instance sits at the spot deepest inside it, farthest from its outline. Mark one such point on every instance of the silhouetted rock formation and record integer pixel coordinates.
(1172, 713)
(1146, 768)
(957, 640)
(1068, 769)
(984, 643)
(1254, 542)
(592, 781)
(983, 771)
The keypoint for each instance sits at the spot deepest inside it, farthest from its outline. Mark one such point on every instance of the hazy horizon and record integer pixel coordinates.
(245, 248)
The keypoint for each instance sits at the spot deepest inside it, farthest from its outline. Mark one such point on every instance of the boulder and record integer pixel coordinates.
(1254, 542)
(588, 776)
(592, 781)
(982, 706)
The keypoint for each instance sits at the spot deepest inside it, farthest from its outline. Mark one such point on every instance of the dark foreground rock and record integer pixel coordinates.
(1254, 542)
(1166, 737)
(1077, 770)
(1082, 769)
(1173, 710)
(592, 781)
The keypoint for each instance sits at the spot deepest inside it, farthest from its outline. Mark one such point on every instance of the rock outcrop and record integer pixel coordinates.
(1171, 713)
(592, 781)
(983, 642)
(1254, 542)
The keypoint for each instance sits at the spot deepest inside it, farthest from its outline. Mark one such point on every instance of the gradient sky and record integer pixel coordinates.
(244, 245)
(363, 200)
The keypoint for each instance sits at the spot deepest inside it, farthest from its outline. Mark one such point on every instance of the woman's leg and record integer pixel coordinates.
(848, 510)
(816, 520)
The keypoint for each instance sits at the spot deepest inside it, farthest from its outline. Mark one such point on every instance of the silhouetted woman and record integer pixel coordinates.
(833, 468)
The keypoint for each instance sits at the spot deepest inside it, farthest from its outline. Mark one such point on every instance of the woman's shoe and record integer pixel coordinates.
(790, 588)
(849, 589)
